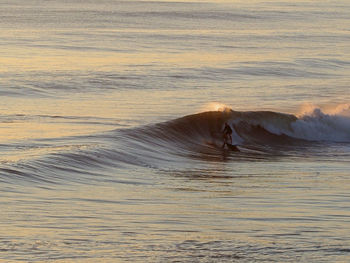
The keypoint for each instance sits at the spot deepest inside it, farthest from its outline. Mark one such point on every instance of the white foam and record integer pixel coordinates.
(314, 124)
(319, 126)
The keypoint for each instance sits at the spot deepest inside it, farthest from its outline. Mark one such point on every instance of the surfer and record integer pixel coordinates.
(227, 132)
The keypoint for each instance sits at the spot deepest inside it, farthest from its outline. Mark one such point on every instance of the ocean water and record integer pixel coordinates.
(111, 115)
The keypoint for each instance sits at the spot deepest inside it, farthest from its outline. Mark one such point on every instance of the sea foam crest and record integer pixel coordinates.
(317, 125)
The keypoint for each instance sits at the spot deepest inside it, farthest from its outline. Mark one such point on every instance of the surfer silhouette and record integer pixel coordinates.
(227, 133)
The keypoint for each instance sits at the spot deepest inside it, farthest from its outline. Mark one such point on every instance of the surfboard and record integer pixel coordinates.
(232, 147)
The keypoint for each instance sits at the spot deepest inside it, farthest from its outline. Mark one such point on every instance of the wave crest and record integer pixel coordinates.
(259, 134)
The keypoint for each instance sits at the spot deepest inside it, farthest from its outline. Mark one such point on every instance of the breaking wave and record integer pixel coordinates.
(250, 128)
(182, 142)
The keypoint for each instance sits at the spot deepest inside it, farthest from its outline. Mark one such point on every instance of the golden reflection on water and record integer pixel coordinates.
(56, 58)
(142, 213)
(68, 60)
(31, 153)
(18, 131)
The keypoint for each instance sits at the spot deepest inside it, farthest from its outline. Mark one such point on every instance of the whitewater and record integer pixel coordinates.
(111, 120)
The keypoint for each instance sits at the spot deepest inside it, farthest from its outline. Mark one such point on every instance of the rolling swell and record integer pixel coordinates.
(181, 142)
(204, 130)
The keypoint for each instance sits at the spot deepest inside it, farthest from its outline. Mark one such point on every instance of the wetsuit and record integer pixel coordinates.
(227, 134)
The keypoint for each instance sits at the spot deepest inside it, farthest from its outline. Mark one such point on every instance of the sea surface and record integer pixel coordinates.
(111, 118)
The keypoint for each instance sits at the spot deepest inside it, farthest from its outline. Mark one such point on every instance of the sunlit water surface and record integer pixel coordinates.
(91, 171)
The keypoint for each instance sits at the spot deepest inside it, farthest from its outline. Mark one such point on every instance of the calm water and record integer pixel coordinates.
(108, 152)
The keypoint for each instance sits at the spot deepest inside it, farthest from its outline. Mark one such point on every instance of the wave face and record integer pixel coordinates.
(250, 128)
(258, 134)
(184, 141)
